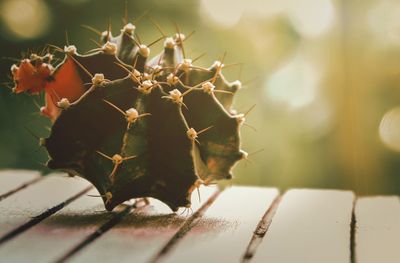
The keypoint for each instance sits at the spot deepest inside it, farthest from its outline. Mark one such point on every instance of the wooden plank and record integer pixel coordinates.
(309, 226)
(377, 235)
(13, 180)
(41, 197)
(52, 237)
(140, 234)
(226, 228)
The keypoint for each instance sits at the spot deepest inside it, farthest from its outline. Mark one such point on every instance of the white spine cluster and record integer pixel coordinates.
(146, 76)
(169, 43)
(144, 51)
(179, 38)
(245, 155)
(131, 115)
(186, 65)
(63, 103)
(98, 78)
(192, 134)
(217, 64)
(176, 96)
(14, 69)
(71, 50)
(157, 70)
(34, 56)
(146, 87)
(129, 28)
(136, 73)
(117, 159)
(240, 118)
(172, 79)
(105, 34)
(208, 87)
(110, 48)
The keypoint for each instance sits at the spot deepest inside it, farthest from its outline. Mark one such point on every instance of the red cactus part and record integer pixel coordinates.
(65, 83)
(30, 77)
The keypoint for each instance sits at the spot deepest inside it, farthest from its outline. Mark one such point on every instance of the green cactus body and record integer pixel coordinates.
(143, 128)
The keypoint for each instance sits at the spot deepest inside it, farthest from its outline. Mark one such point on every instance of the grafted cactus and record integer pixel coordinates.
(136, 127)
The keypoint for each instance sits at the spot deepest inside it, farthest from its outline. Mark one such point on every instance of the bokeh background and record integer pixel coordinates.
(324, 75)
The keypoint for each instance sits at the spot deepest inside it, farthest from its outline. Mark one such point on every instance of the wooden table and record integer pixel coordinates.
(55, 219)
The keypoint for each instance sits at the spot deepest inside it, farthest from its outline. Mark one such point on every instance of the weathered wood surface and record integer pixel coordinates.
(45, 242)
(224, 231)
(141, 234)
(53, 219)
(12, 181)
(377, 229)
(31, 203)
(309, 226)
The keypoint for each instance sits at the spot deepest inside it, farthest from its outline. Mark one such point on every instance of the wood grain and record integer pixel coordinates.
(377, 229)
(52, 237)
(226, 228)
(12, 181)
(25, 205)
(310, 226)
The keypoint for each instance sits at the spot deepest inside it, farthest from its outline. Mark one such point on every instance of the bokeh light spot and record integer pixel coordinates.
(294, 84)
(312, 18)
(389, 129)
(25, 19)
(384, 22)
(225, 13)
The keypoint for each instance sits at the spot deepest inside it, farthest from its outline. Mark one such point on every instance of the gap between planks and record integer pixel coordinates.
(309, 226)
(261, 230)
(39, 218)
(225, 228)
(26, 207)
(13, 181)
(117, 217)
(185, 228)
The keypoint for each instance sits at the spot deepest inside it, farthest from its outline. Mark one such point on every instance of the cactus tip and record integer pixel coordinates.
(169, 43)
(109, 48)
(129, 28)
(172, 79)
(146, 87)
(244, 154)
(131, 115)
(144, 51)
(208, 87)
(176, 96)
(63, 103)
(117, 159)
(14, 69)
(70, 50)
(98, 78)
(179, 38)
(192, 134)
(186, 65)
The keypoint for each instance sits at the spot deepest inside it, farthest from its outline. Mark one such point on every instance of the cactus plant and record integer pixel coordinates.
(132, 126)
